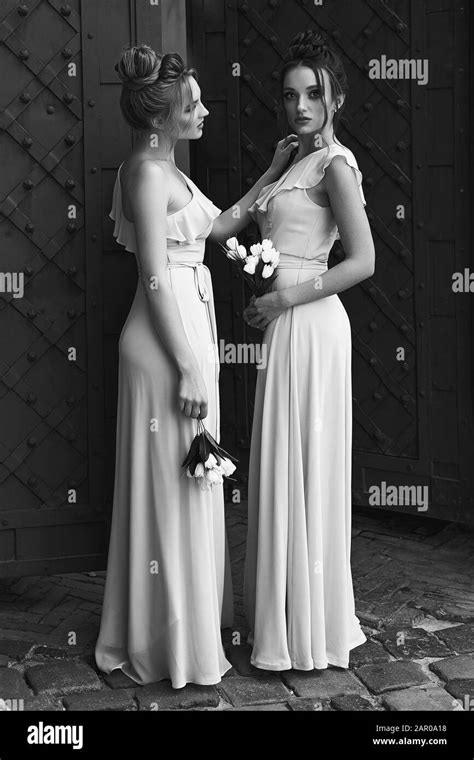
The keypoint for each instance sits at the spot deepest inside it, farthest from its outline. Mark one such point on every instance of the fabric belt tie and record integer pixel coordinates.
(199, 276)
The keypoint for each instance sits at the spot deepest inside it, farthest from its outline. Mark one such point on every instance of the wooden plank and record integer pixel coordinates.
(93, 228)
(464, 254)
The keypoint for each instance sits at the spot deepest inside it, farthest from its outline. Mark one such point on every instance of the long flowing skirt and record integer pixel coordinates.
(298, 592)
(168, 586)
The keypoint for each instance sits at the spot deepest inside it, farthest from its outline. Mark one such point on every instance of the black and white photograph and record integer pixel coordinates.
(236, 363)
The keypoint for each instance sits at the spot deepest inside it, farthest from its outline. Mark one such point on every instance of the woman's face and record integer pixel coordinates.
(191, 118)
(302, 100)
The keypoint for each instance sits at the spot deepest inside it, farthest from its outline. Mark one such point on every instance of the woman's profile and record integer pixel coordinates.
(168, 587)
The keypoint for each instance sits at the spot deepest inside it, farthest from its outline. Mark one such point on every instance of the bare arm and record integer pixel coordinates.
(149, 201)
(237, 216)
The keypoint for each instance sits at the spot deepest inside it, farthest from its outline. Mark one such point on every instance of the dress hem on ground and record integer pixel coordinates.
(335, 661)
(201, 682)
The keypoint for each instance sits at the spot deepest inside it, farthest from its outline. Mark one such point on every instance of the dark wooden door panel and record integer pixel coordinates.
(62, 137)
(411, 336)
(50, 474)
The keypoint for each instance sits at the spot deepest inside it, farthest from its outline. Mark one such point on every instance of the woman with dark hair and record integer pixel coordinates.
(298, 590)
(168, 585)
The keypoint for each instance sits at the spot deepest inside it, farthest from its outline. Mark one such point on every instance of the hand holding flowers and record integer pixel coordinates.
(258, 271)
(261, 311)
(208, 462)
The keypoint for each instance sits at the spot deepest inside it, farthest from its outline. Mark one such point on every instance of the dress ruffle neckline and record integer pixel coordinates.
(307, 173)
(188, 224)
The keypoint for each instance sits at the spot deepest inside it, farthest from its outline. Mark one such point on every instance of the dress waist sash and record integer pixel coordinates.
(199, 275)
(293, 262)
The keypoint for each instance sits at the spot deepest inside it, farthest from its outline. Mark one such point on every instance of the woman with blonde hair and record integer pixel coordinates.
(168, 584)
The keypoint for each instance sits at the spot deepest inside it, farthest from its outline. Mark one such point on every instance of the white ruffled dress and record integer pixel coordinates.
(168, 586)
(298, 591)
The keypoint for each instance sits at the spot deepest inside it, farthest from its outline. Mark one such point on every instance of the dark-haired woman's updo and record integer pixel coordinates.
(152, 85)
(313, 49)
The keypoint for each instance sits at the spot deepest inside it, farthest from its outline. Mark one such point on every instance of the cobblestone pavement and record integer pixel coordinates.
(414, 588)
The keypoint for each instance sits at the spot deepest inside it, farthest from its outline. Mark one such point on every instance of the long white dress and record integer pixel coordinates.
(168, 586)
(298, 592)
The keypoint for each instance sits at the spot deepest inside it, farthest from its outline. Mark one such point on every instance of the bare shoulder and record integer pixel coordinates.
(338, 164)
(339, 173)
(142, 178)
(143, 170)
(334, 168)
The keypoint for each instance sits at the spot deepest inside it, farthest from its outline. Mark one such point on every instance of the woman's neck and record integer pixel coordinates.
(312, 143)
(158, 147)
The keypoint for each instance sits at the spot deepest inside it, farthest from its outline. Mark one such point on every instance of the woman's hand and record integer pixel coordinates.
(282, 154)
(193, 401)
(263, 310)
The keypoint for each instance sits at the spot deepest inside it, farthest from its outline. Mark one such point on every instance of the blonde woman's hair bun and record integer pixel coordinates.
(139, 67)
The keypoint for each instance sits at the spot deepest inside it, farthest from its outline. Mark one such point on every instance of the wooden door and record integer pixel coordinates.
(412, 344)
(66, 286)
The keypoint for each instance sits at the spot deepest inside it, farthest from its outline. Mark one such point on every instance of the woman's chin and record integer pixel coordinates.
(304, 129)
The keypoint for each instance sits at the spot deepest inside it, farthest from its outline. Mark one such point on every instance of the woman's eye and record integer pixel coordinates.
(316, 93)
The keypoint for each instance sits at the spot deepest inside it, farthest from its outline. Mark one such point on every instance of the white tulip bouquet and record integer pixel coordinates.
(208, 462)
(257, 267)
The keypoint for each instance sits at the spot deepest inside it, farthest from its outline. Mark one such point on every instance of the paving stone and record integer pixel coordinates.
(24, 635)
(91, 606)
(45, 652)
(67, 677)
(354, 703)
(277, 706)
(309, 705)
(433, 698)
(461, 688)
(322, 684)
(118, 680)
(412, 644)
(461, 667)
(7, 597)
(239, 656)
(406, 617)
(45, 603)
(366, 614)
(44, 703)
(391, 675)
(106, 700)
(12, 684)
(240, 690)
(448, 609)
(18, 617)
(368, 653)
(460, 638)
(162, 696)
(15, 649)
